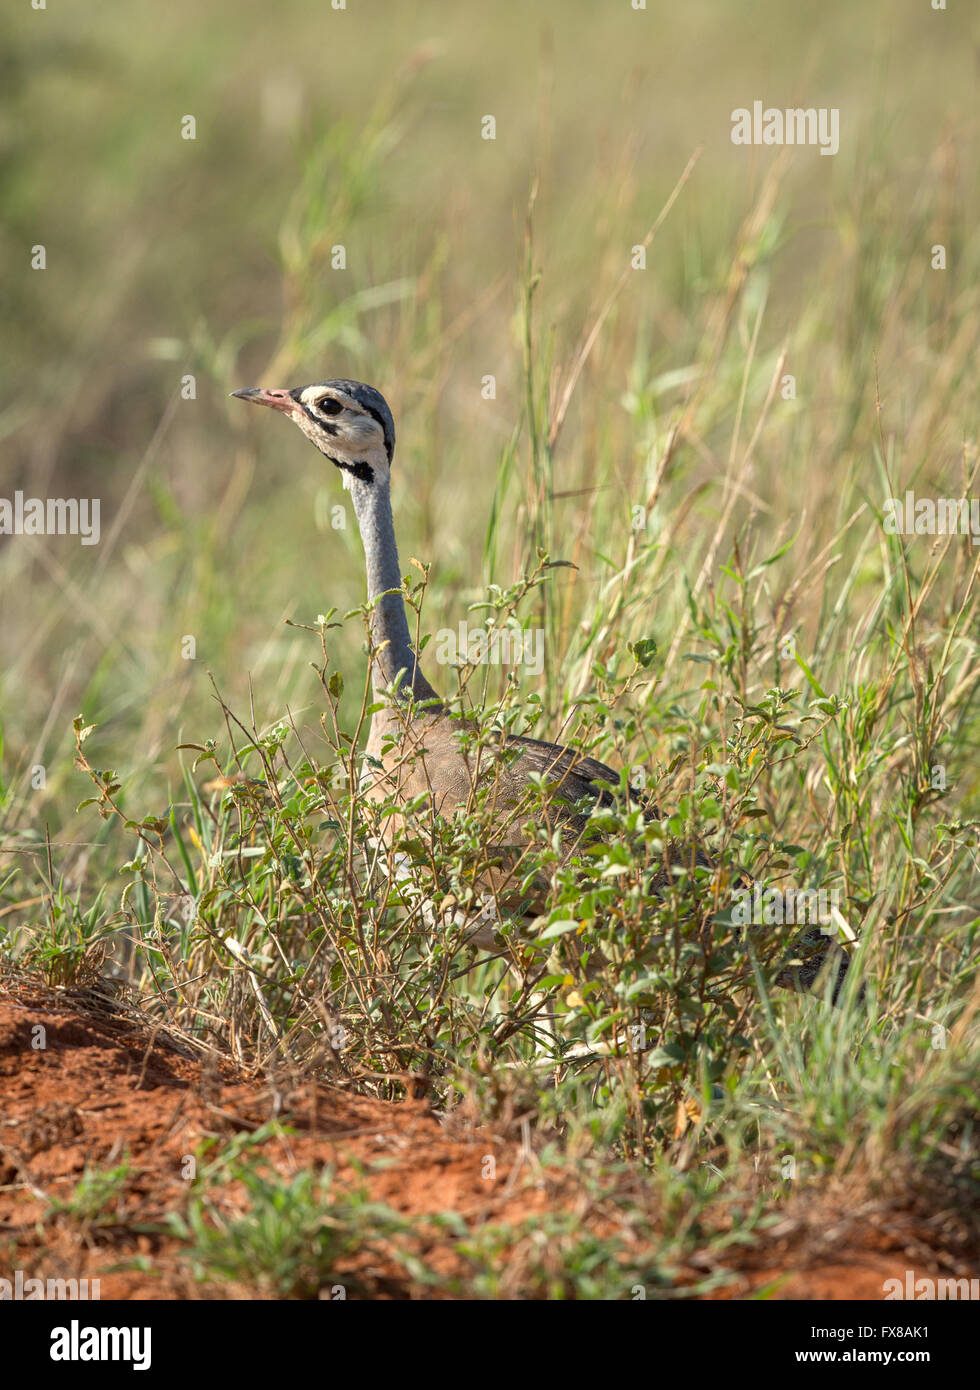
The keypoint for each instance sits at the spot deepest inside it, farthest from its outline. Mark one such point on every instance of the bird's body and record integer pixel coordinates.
(416, 748)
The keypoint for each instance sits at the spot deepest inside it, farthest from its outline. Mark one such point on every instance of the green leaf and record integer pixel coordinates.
(811, 677)
(81, 732)
(669, 1056)
(644, 649)
(558, 929)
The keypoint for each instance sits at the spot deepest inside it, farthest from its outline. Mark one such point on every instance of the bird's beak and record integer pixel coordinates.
(278, 400)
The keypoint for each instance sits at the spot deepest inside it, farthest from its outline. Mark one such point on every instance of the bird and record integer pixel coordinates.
(417, 750)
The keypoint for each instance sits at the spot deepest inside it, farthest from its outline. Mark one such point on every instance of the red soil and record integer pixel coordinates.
(104, 1089)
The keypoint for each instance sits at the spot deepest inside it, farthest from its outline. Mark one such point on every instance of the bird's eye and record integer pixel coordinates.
(329, 406)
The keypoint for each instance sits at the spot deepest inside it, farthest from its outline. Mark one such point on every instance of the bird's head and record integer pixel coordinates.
(347, 421)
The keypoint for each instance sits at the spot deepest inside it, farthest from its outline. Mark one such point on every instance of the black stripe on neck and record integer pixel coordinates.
(360, 470)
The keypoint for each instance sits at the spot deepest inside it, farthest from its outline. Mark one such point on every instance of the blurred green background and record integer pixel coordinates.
(362, 127)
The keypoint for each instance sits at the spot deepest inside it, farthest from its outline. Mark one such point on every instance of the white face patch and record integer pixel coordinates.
(314, 394)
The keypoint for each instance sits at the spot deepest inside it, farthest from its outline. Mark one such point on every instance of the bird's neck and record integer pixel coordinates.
(389, 625)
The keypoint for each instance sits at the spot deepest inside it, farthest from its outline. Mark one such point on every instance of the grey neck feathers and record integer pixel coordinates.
(389, 625)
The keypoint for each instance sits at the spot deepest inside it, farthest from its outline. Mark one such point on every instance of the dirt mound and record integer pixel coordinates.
(86, 1088)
